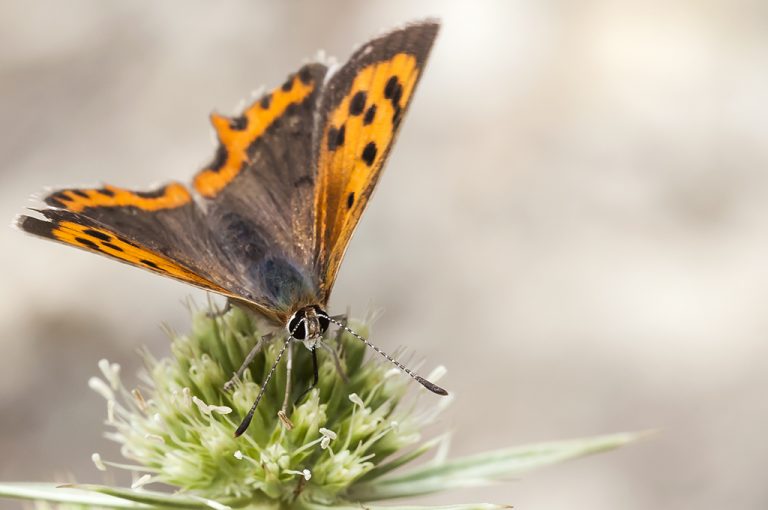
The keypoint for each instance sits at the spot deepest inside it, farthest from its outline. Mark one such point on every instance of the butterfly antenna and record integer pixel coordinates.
(248, 417)
(434, 388)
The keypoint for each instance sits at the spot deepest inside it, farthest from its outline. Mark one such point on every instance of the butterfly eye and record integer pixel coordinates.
(297, 326)
(322, 319)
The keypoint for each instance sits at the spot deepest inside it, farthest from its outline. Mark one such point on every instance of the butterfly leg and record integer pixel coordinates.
(315, 379)
(336, 361)
(216, 313)
(248, 359)
(283, 412)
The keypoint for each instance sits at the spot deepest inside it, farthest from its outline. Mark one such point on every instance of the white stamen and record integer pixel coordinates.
(306, 473)
(111, 411)
(96, 458)
(155, 437)
(208, 409)
(328, 436)
(238, 455)
(204, 408)
(327, 433)
(101, 388)
(355, 399)
(111, 372)
(142, 481)
(115, 437)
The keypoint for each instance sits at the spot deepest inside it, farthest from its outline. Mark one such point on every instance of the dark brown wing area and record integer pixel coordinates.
(259, 192)
(360, 113)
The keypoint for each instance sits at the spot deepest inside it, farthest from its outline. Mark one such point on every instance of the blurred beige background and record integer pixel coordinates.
(574, 222)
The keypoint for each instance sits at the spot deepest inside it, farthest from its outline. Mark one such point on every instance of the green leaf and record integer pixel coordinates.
(485, 468)
(160, 499)
(469, 506)
(55, 494)
(109, 497)
(386, 467)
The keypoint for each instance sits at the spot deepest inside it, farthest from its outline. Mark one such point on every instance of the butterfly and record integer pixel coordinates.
(267, 222)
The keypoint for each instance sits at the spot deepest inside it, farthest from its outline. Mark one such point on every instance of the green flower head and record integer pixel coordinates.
(178, 426)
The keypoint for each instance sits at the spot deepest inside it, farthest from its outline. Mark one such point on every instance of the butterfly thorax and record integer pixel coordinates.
(308, 324)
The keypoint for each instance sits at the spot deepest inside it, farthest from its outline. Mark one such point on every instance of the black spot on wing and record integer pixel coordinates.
(288, 85)
(305, 75)
(393, 91)
(397, 96)
(97, 234)
(87, 242)
(148, 263)
(350, 200)
(266, 101)
(357, 104)
(56, 200)
(111, 246)
(219, 159)
(370, 115)
(238, 123)
(389, 88)
(369, 153)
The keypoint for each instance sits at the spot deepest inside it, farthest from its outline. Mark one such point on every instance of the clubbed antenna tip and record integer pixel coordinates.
(434, 388)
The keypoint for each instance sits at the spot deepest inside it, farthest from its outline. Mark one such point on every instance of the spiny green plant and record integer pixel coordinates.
(347, 442)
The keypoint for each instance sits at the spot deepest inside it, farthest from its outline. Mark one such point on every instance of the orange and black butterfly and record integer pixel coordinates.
(267, 222)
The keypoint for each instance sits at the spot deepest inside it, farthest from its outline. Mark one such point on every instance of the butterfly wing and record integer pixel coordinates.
(360, 113)
(162, 230)
(86, 233)
(258, 193)
(251, 236)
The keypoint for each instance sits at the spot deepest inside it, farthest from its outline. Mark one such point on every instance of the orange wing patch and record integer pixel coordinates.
(76, 200)
(356, 140)
(237, 134)
(103, 241)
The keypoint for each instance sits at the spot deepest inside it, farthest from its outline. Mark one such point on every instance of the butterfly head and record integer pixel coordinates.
(308, 324)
